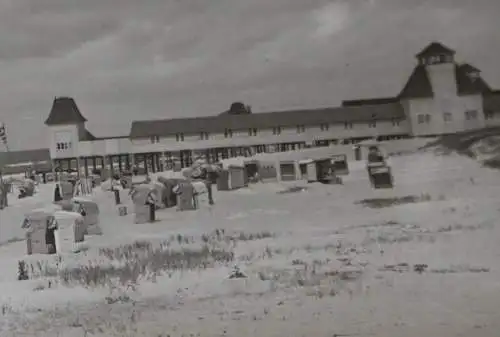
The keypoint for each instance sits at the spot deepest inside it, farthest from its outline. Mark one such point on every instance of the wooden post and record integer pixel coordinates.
(54, 172)
(158, 163)
(111, 166)
(78, 167)
(145, 160)
(86, 166)
(120, 166)
(153, 162)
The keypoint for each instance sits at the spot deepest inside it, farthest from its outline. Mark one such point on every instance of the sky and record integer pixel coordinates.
(125, 60)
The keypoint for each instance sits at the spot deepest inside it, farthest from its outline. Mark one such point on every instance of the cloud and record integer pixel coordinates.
(331, 19)
(125, 59)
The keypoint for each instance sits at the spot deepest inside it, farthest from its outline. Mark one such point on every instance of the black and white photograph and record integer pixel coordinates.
(247, 168)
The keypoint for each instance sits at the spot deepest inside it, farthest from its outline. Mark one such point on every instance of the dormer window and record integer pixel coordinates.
(437, 59)
(473, 75)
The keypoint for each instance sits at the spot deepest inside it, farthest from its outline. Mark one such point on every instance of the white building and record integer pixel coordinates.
(440, 97)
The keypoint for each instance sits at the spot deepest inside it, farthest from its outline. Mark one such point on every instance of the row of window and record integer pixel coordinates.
(437, 59)
(228, 133)
(63, 146)
(470, 115)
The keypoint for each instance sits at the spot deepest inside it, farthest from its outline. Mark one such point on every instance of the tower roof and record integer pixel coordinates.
(64, 111)
(418, 85)
(435, 48)
(468, 68)
(467, 85)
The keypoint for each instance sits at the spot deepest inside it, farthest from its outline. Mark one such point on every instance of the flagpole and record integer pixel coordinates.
(3, 139)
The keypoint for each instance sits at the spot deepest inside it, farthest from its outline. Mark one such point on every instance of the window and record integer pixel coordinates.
(62, 146)
(471, 115)
(179, 137)
(155, 139)
(347, 125)
(301, 128)
(447, 117)
(277, 130)
(424, 119)
(473, 75)
(488, 115)
(228, 133)
(252, 132)
(324, 127)
(204, 135)
(372, 124)
(395, 122)
(437, 59)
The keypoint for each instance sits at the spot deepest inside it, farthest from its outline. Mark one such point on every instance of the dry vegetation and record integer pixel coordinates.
(293, 189)
(128, 264)
(317, 270)
(122, 268)
(394, 201)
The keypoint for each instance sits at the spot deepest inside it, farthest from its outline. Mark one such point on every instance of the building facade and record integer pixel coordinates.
(441, 96)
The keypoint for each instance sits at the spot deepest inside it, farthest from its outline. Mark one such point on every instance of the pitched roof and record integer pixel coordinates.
(467, 67)
(370, 101)
(491, 101)
(237, 108)
(87, 136)
(467, 85)
(435, 48)
(17, 157)
(418, 85)
(64, 111)
(266, 120)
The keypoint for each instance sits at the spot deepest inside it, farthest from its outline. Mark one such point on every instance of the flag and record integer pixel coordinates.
(3, 134)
